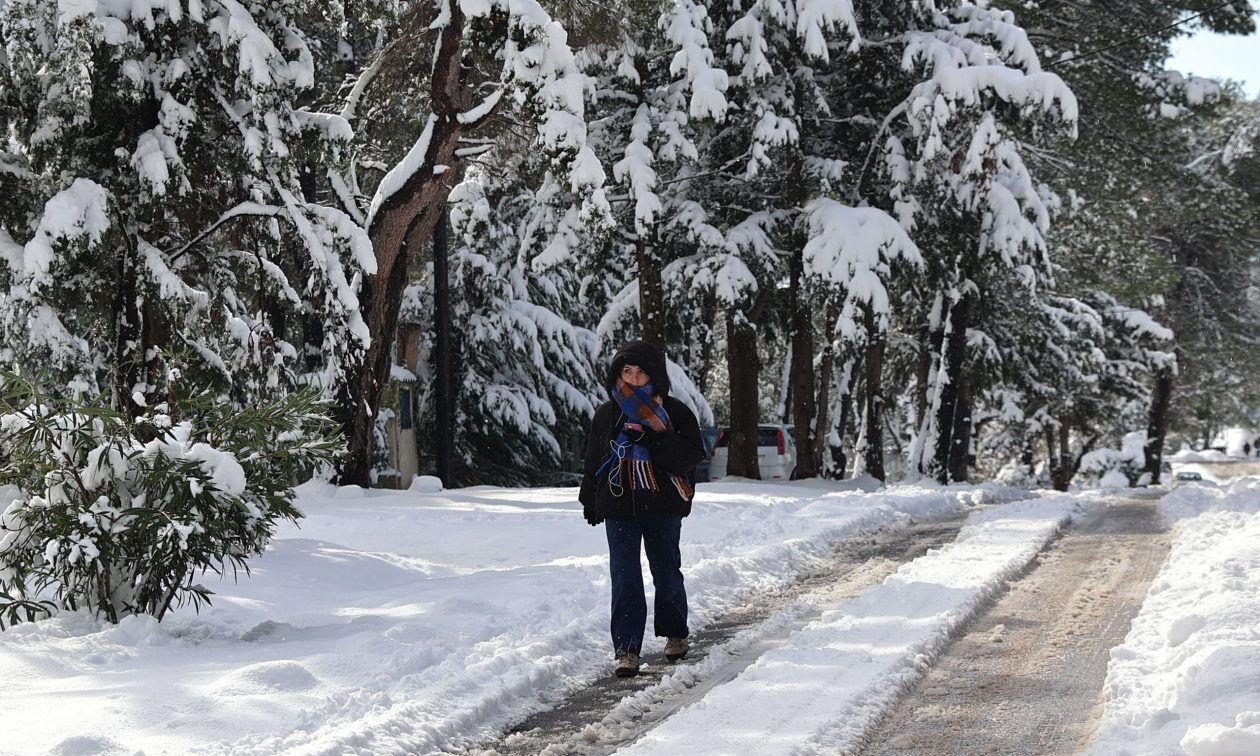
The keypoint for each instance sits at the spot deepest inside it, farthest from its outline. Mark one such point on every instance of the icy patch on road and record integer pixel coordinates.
(834, 678)
(1186, 680)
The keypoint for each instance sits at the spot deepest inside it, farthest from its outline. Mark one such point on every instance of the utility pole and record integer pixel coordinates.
(444, 399)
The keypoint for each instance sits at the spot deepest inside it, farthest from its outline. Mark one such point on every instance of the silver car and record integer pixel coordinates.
(776, 453)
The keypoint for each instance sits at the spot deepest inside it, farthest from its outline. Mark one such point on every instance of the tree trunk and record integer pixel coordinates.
(312, 339)
(126, 332)
(783, 412)
(922, 369)
(1027, 458)
(950, 378)
(1052, 457)
(802, 375)
(960, 434)
(844, 400)
(139, 336)
(1157, 427)
(872, 424)
(702, 348)
(1063, 465)
(651, 295)
(444, 393)
(825, 413)
(822, 415)
(742, 364)
(403, 221)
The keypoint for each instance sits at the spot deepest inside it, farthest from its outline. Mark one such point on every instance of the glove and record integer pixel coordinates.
(637, 433)
(591, 516)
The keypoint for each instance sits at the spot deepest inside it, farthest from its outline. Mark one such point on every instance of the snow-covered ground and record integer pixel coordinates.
(405, 622)
(409, 622)
(1187, 677)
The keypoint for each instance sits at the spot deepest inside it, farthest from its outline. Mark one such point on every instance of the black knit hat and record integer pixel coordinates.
(647, 358)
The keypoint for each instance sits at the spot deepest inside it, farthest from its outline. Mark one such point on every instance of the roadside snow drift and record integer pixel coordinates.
(411, 622)
(1187, 677)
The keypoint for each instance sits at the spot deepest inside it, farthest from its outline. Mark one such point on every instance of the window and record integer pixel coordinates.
(404, 409)
(767, 437)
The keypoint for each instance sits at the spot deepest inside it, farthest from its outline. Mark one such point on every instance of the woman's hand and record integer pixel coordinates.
(634, 431)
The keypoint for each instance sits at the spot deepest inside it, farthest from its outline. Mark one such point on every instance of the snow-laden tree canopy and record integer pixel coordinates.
(157, 201)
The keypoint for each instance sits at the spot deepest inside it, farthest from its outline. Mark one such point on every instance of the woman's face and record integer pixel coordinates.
(632, 375)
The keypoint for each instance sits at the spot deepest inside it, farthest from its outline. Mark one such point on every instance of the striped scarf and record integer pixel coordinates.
(627, 461)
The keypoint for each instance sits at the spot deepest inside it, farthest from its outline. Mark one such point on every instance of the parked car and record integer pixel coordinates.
(776, 453)
(1182, 478)
(710, 436)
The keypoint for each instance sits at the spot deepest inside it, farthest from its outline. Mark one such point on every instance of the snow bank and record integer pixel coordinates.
(407, 622)
(1187, 677)
(1190, 455)
(833, 679)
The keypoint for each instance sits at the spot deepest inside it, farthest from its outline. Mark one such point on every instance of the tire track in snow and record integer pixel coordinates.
(1026, 677)
(612, 712)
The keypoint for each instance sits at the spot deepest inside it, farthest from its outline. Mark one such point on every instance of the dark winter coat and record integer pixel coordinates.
(676, 451)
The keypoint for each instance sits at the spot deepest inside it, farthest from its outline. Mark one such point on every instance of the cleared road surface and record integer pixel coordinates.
(1027, 676)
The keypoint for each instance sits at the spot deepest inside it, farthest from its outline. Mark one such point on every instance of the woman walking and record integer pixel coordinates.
(640, 451)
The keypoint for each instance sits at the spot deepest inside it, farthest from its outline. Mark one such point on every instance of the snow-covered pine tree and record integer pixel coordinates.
(654, 88)
(1208, 240)
(798, 112)
(526, 374)
(1133, 209)
(1071, 372)
(919, 113)
(153, 198)
(481, 59)
(757, 174)
(853, 250)
(948, 157)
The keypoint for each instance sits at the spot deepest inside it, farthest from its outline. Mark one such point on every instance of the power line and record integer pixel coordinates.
(1143, 35)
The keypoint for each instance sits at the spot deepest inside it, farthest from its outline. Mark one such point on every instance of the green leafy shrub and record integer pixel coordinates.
(119, 515)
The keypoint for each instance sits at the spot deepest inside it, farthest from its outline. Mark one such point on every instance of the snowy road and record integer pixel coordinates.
(1027, 677)
(724, 649)
(861, 629)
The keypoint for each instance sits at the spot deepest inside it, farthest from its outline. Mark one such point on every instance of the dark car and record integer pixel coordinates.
(710, 436)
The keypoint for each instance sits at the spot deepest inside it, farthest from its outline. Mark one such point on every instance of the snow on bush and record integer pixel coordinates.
(119, 515)
(1117, 468)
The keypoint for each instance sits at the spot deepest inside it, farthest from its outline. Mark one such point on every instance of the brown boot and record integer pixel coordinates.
(627, 664)
(676, 648)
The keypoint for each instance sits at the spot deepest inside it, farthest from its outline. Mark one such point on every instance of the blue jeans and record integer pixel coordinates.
(659, 536)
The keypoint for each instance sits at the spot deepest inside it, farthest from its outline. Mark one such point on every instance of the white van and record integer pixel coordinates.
(776, 453)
